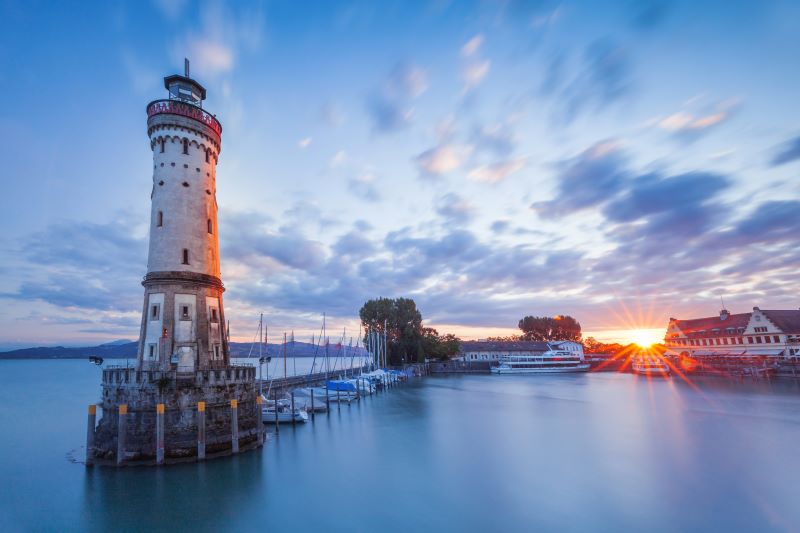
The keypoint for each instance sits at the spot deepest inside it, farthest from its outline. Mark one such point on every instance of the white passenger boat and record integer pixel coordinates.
(550, 362)
(285, 413)
(649, 366)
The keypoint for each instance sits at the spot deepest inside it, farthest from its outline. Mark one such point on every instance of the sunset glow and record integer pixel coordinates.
(646, 337)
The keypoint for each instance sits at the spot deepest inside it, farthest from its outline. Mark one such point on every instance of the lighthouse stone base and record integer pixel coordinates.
(142, 390)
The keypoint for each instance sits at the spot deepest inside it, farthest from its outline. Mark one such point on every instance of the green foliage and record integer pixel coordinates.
(546, 328)
(440, 347)
(402, 322)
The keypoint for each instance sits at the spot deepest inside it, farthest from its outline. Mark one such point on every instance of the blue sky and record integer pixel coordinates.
(620, 162)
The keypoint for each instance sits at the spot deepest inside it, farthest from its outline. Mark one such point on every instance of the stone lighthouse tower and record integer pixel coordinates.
(183, 318)
(184, 399)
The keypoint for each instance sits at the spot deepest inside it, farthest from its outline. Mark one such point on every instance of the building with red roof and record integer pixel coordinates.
(762, 333)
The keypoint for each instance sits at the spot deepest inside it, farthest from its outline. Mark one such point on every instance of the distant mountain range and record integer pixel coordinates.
(125, 349)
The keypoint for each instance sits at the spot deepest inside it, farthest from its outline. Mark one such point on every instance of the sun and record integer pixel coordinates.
(645, 337)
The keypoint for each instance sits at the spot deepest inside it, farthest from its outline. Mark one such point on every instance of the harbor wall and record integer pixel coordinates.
(140, 391)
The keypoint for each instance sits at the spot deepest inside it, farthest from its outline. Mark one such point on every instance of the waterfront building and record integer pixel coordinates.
(762, 333)
(183, 380)
(493, 351)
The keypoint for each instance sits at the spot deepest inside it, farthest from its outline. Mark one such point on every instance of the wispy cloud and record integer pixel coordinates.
(787, 152)
(391, 105)
(496, 172)
(440, 160)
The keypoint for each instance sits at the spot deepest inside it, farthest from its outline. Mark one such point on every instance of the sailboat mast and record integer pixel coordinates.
(260, 343)
(284, 355)
(385, 358)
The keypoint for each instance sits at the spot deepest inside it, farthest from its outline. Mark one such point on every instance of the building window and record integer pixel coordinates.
(184, 312)
(216, 351)
(152, 351)
(213, 314)
(185, 256)
(758, 340)
(160, 219)
(718, 342)
(725, 340)
(766, 339)
(776, 339)
(208, 223)
(749, 340)
(161, 141)
(206, 156)
(154, 312)
(741, 340)
(186, 146)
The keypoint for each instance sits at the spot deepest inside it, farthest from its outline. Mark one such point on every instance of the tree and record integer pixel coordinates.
(402, 323)
(545, 328)
(437, 346)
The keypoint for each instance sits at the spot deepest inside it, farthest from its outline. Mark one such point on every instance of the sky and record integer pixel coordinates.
(619, 162)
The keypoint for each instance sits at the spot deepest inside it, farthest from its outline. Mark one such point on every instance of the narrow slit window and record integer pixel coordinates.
(213, 315)
(210, 227)
(206, 156)
(154, 312)
(160, 219)
(152, 351)
(186, 146)
(161, 142)
(185, 312)
(185, 256)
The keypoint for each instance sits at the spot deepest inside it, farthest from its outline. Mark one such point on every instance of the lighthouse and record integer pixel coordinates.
(183, 318)
(184, 399)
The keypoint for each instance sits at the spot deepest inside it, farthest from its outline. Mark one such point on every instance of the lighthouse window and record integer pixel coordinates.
(209, 226)
(160, 221)
(213, 315)
(161, 142)
(186, 146)
(185, 256)
(184, 312)
(152, 350)
(206, 156)
(154, 312)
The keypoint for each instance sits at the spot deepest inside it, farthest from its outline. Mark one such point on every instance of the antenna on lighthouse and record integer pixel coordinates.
(186, 67)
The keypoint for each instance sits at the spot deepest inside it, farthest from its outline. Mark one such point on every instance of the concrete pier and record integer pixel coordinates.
(121, 432)
(90, 434)
(234, 426)
(201, 430)
(160, 434)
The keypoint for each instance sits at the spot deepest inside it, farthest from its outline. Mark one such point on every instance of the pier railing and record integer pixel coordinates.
(127, 376)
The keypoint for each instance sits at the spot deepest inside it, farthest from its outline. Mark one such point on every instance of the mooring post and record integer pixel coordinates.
(201, 430)
(160, 434)
(338, 400)
(90, 435)
(312, 403)
(121, 432)
(327, 400)
(234, 426)
(259, 420)
(275, 397)
(293, 420)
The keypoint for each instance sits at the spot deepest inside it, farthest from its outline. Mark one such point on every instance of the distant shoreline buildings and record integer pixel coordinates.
(762, 333)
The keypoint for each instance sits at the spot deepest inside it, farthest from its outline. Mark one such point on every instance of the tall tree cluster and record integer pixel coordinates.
(407, 340)
(550, 328)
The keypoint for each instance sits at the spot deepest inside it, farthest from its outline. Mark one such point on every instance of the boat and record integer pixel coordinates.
(302, 399)
(549, 362)
(649, 366)
(285, 413)
(341, 390)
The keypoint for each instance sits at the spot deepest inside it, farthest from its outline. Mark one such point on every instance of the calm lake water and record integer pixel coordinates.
(600, 452)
